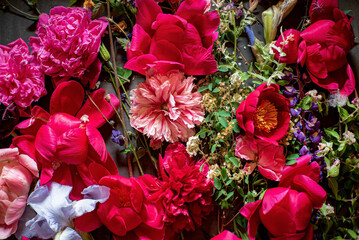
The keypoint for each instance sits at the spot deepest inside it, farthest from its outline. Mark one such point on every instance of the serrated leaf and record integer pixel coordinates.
(123, 42)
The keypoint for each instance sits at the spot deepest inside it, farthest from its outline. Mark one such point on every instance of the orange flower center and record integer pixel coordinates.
(266, 116)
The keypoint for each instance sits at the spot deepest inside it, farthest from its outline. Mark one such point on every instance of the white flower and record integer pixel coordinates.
(192, 145)
(336, 100)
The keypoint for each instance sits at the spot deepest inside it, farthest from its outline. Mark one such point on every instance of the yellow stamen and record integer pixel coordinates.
(266, 116)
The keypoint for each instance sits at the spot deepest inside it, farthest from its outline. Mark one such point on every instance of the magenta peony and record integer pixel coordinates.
(185, 191)
(16, 174)
(268, 157)
(164, 108)
(264, 114)
(182, 41)
(289, 46)
(21, 80)
(322, 9)
(128, 213)
(226, 235)
(286, 210)
(68, 43)
(323, 51)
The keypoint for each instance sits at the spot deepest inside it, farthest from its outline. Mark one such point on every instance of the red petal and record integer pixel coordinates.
(140, 43)
(198, 60)
(165, 50)
(140, 63)
(67, 98)
(251, 212)
(97, 148)
(146, 14)
(31, 126)
(88, 222)
(45, 144)
(92, 74)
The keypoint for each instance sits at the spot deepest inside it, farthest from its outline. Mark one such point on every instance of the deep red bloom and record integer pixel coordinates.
(264, 114)
(128, 213)
(185, 191)
(182, 41)
(286, 210)
(226, 235)
(322, 9)
(289, 46)
(323, 51)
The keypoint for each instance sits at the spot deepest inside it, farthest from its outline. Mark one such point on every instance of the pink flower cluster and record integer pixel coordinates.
(21, 79)
(68, 43)
(322, 47)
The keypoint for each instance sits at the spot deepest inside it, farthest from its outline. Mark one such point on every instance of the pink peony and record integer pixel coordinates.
(226, 235)
(164, 107)
(21, 81)
(68, 43)
(128, 213)
(182, 41)
(185, 191)
(324, 50)
(16, 174)
(268, 157)
(264, 114)
(289, 46)
(286, 210)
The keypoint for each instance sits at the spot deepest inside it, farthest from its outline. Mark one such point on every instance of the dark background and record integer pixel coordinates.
(13, 26)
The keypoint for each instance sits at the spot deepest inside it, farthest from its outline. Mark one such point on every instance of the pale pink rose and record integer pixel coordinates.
(68, 43)
(21, 81)
(268, 157)
(165, 109)
(16, 174)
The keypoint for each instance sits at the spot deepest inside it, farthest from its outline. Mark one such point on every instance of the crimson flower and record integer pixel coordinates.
(286, 210)
(264, 114)
(289, 46)
(182, 41)
(322, 9)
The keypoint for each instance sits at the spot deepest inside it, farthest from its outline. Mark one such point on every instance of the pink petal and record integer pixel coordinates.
(92, 74)
(67, 98)
(45, 144)
(140, 43)
(97, 147)
(29, 164)
(15, 210)
(198, 60)
(140, 63)
(251, 212)
(147, 13)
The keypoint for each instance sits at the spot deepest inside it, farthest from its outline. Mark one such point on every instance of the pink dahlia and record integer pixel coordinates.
(21, 81)
(185, 192)
(68, 43)
(164, 107)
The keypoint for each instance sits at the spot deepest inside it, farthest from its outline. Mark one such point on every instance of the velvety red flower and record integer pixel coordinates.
(65, 146)
(323, 51)
(128, 213)
(226, 235)
(182, 41)
(268, 157)
(185, 192)
(286, 210)
(264, 114)
(21, 79)
(289, 46)
(68, 43)
(322, 9)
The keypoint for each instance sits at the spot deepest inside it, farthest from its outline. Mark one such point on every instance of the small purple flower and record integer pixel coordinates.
(316, 137)
(299, 125)
(289, 91)
(318, 158)
(123, 97)
(313, 124)
(304, 150)
(293, 101)
(295, 112)
(299, 135)
(117, 137)
(315, 106)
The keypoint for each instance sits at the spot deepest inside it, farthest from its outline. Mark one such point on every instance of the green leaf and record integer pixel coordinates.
(217, 183)
(123, 42)
(223, 69)
(223, 113)
(236, 126)
(244, 76)
(347, 11)
(351, 233)
(98, 10)
(213, 149)
(126, 150)
(234, 161)
(293, 156)
(72, 2)
(216, 90)
(123, 72)
(229, 196)
(332, 133)
(343, 113)
(290, 162)
(333, 184)
(210, 86)
(223, 122)
(201, 89)
(224, 174)
(31, 2)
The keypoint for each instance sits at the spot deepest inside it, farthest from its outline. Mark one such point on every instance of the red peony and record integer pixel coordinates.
(226, 235)
(289, 46)
(185, 192)
(128, 213)
(286, 210)
(322, 9)
(268, 157)
(264, 114)
(323, 51)
(182, 41)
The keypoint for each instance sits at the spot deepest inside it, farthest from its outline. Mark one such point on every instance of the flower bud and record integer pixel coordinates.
(105, 55)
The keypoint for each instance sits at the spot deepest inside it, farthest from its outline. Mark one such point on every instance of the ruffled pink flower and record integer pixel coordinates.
(286, 210)
(128, 213)
(68, 43)
(268, 157)
(16, 174)
(165, 109)
(185, 191)
(289, 46)
(182, 41)
(21, 79)
(323, 51)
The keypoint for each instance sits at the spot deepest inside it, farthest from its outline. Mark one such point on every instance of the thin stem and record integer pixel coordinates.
(27, 15)
(234, 217)
(112, 21)
(89, 97)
